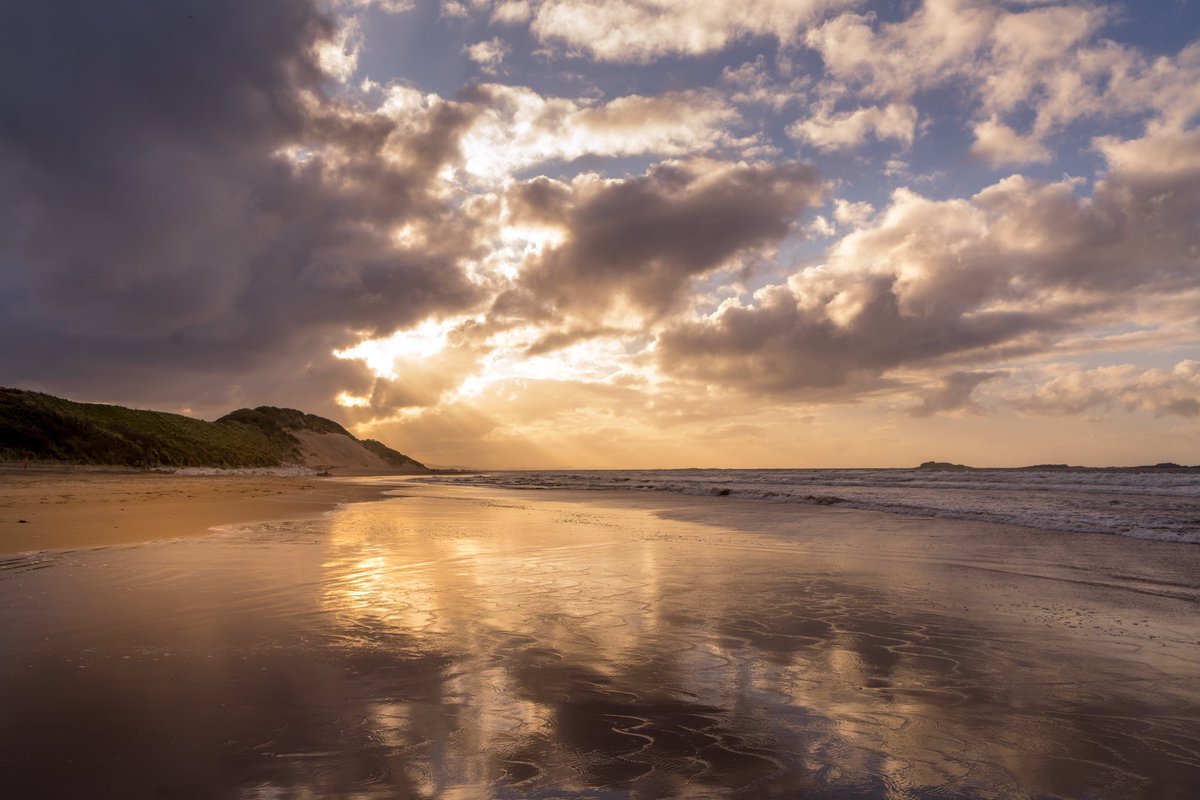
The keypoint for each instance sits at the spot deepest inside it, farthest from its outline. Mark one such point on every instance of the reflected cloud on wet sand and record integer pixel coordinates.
(618, 650)
(474, 643)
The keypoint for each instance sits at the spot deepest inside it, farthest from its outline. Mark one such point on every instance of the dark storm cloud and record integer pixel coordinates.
(780, 346)
(643, 239)
(151, 227)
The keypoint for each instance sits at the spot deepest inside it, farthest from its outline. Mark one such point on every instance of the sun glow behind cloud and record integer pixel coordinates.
(417, 344)
(593, 361)
(517, 244)
(504, 355)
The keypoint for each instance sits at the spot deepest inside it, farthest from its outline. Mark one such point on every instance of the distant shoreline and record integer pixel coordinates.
(943, 466)
(42, 466)
(920, 468)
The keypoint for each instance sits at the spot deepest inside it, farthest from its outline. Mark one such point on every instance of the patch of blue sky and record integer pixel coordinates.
(1156, 27)
(608, 166)
(417, 47)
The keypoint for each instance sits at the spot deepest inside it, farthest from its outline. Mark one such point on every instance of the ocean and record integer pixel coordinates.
(1145, 504)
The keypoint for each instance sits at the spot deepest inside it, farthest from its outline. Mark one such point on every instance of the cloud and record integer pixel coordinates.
(827, 130)
(1028, 71)
(640, 31)
(338, 57)
(853, 214)
(1162, 155)
(518, 128)
(1000, 145)
(168, 214)
(453, 9)
(639, 241)
(1034, 50)
(1071, 390)
(752, 83)
(209, 218)
(955, 394)
(1005, 273)
(838, 351)
(896, 59)
(511, 12)
(488, 54)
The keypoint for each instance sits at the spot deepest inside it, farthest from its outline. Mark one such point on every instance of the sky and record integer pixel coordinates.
(617, 233)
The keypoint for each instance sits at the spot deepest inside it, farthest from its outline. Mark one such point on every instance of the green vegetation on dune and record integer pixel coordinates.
(45, 427)
(50, 428)
(280, 420)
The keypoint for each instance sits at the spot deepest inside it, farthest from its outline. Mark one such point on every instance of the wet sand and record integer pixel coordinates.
(470, 643)
(68, 508)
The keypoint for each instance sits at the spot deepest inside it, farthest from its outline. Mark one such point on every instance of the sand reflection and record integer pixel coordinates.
(461, 644)
(615, 649)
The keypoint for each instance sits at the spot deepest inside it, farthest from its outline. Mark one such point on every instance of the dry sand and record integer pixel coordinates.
(69, 508)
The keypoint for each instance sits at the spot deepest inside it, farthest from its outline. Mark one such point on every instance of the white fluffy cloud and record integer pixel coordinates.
(1000, 144)
(828, 130)
(519, 128)
(1032, 69)
(488, 54)
(644, 30)
(896, 59)
(511, 12)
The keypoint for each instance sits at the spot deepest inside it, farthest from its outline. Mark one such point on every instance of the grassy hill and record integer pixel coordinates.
(51, 428)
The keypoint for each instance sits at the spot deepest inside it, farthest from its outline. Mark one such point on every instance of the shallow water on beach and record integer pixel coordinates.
(1141, 503)
(470, 643)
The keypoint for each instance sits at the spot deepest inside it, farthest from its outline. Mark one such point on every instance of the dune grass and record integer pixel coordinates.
(48, 428)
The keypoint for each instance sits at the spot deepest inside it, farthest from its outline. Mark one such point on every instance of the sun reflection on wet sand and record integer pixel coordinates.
(744, 654)
(482, 643)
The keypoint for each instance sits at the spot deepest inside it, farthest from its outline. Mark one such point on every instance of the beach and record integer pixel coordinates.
(471, 642)
(55, 508)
